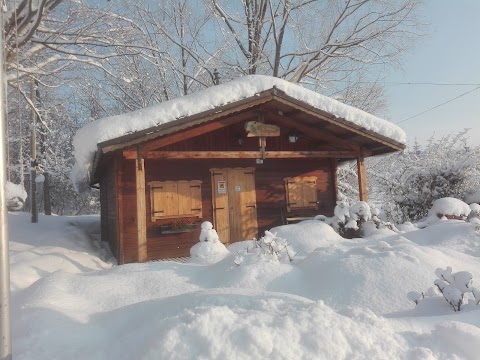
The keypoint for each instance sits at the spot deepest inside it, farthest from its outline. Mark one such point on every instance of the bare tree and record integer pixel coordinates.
(298, 40)
(44, 37)
(341, 47)
(46, 41)
(178, 56)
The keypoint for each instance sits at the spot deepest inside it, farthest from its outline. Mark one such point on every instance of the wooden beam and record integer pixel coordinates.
(313, 132)
(141, 211)
(240, 154)
(231, 112)
(362, 178)
(325, 116)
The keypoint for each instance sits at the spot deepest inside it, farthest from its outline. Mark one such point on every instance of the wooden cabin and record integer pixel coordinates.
(246, 166)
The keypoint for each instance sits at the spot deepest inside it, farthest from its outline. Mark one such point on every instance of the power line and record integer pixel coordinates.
(429, 83)
(433, 83)
(437, 106)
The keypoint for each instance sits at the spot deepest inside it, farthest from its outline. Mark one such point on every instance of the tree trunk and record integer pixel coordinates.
(47, 204)
(33, 159)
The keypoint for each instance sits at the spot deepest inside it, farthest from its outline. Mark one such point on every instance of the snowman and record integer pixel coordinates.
(208, 233)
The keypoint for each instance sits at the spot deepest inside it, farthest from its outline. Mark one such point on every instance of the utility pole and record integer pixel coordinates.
(5, 334)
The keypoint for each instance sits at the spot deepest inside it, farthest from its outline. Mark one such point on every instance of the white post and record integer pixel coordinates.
(5, 335)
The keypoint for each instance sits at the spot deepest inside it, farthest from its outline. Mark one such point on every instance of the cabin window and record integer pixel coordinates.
(301, 193)
(175, 199)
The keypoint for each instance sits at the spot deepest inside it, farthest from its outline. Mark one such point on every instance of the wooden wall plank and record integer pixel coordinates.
(117, 200)
(109, 208)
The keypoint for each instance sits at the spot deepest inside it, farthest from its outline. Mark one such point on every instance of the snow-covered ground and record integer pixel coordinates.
(337, 299)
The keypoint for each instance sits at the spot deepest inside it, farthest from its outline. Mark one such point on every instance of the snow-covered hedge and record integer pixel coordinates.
(412, 181)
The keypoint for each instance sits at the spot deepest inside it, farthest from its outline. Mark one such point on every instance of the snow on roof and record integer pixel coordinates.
(87, 138)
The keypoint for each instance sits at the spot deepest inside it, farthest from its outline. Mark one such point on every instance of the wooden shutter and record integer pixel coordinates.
(170, 189)
(301, 193)
(309, 186)
(158, 199)
(170, 199)
(196, 198)
(294, 193)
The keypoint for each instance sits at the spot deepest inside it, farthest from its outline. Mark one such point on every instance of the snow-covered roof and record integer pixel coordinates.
(87, 138)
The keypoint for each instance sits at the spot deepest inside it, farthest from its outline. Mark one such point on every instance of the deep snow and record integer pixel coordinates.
(337, 299)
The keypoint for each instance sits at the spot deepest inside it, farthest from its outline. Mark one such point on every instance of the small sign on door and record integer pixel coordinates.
(222, 187)
(237, 188)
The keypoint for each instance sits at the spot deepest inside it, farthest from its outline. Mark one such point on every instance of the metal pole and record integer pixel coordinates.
(5, 335)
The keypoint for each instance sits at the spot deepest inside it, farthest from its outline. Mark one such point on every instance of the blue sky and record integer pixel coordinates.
(451, 54)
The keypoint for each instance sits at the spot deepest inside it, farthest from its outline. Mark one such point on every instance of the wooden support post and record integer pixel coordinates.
(362, 178)
(333, 169)
(141, 208)
(263, 144)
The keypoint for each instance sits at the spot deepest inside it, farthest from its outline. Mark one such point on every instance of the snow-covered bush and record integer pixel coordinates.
(474, 216)
(349, 220)
(15, 195)
(450, 208)
(360, 211)
(472, 196)
(412, 181)
(453, 287)
(474, 210)
(268, 248)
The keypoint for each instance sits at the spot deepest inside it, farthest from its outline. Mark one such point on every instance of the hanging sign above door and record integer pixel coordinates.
(255, 128)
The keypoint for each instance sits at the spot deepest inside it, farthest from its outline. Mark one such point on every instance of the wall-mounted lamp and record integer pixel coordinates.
(292, 137)
(259, 161)
(239, 139)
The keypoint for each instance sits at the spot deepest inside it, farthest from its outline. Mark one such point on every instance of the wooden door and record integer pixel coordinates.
(234, 204)
(221, 220)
